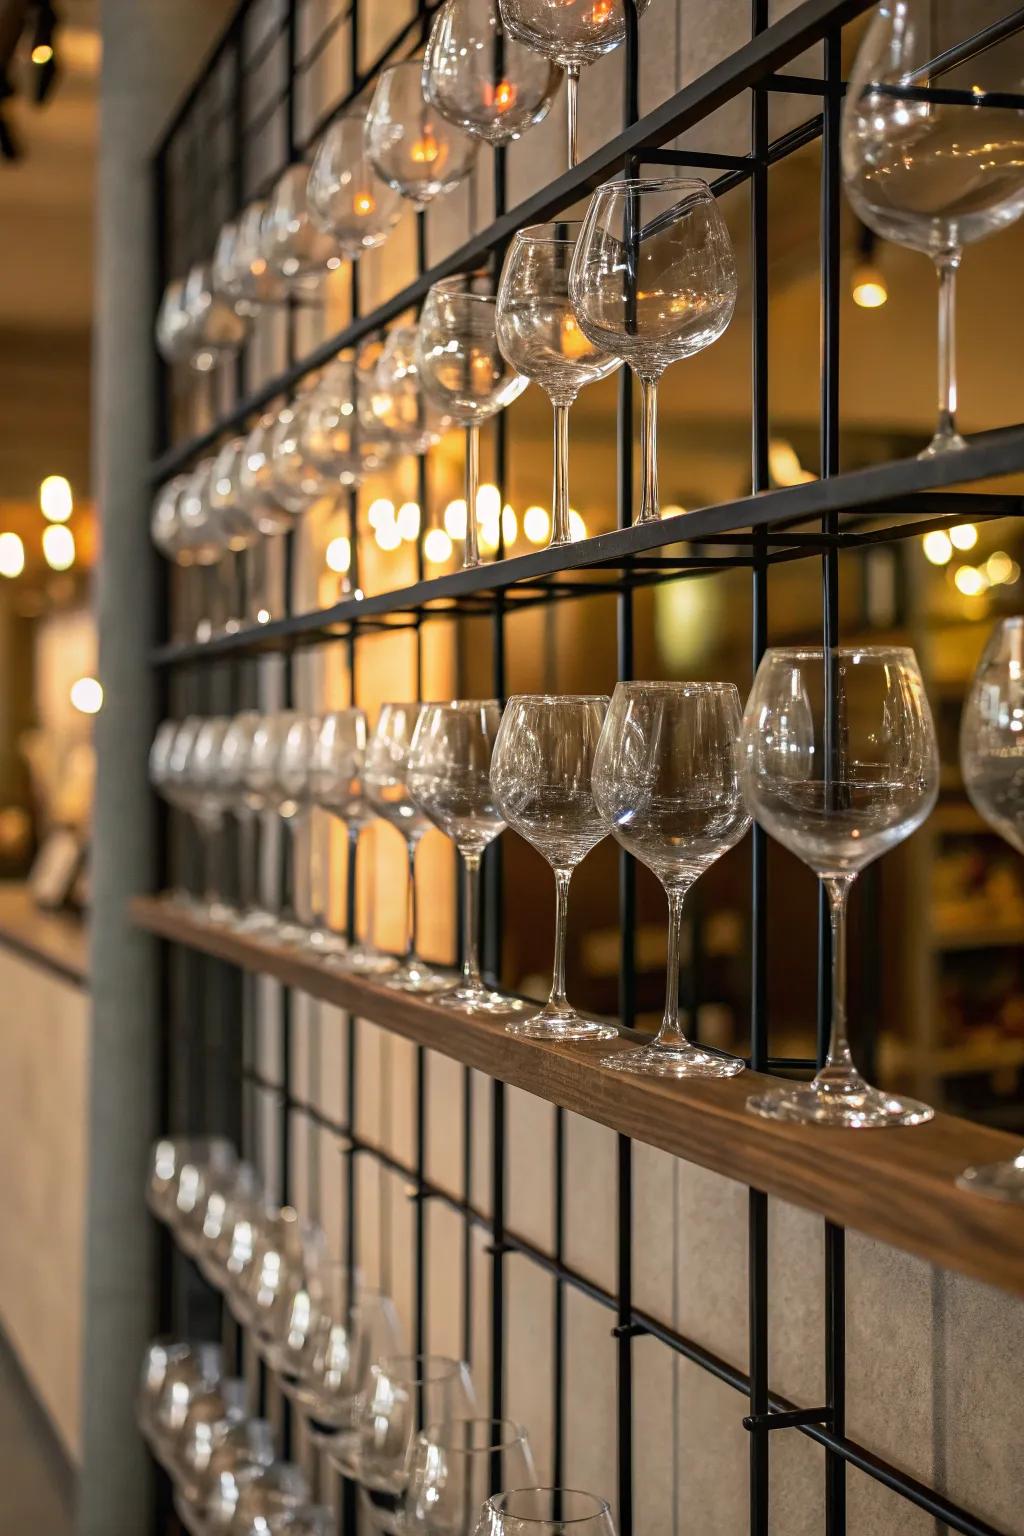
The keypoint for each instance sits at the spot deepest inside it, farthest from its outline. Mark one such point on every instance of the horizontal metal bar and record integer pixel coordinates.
(992, 453)
(784, 40)
(793, 1418)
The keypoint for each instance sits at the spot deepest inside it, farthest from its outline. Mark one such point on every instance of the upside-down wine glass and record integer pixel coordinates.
(572, 33)
(933, 144)
(346, 197)
(409, 144)
(545, 1512)
(538, 333)
(448, 776)
(653, 280)
(462, 368)
(480, 78)
(385, 772)
(666, 779)
(992, 761)
(455, 1466)
(839, 763)
(337, 782)
(541, 777)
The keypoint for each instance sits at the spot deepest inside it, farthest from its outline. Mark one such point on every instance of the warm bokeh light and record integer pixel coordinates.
(868, 287)
(87, 695)
(963, 536)
(488, 502)
(363, 204)
(407, 520)
(12, 555)
(380, 512)
(263, 616)
(388, 537)
(937, 546)
(489, 536)
(455, 519)
(970, 581)
(537, 524)
(338, 555)
(577, 527)
(1001, 569)
(509, 525)
(784, 465)
(673, 510)
(58, 547)
(55, 499)
(437, 546)
(42, 53)
(425, 149)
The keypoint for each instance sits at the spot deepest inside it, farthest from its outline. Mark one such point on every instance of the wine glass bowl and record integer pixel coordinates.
(666, 780)
(481, 79)
(545, 1512)
(293, 245)
(454, 1465)
(839, 763)
(412, 148)
(346, 198)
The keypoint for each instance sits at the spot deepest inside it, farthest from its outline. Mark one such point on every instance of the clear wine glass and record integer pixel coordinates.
(232, 781)
(173, 324)
(839, 763)
(666, 780)
(294, 246)
(385, 779)
(572, 33)
(347, 199)
(653, 280)
(409, 144)
(455, 1466)
(167, 783)
(541, 776)
(268, 788)
(463, 370)
(538, 333)
(227, 1199)
(264, 506)
(207, 805)
(357, 1326)
(208, 1166)
(240, 529)
(406, 1392)
(286, 1251)
(334, 438)
(215, 328)
(394, 404)
(210, 1417)
(188, 1372)
(992, 762)
(448, 776)
(296, 481)
(337, 782)
(202, 543)
(238, 1451)
(545, 1512)
(933, 144)
(261, 1501)
(480, 78)
(258, 283)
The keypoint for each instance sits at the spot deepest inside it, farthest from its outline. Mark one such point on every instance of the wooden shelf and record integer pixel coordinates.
(55, 941)
(897, 1186)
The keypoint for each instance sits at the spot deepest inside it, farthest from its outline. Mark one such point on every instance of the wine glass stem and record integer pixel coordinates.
(317, 893)
(572, 91)
(410, 940)
(560, 533)
(650, 507)
(352, 882)
(247, 862)
(947, 266)
(472, 552)
(558, 998)
(470, 920)
(839, 1069)
(212, 834)
(290, 906)
(670, 1034)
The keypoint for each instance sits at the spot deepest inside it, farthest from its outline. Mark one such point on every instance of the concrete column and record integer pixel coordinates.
(149, 53)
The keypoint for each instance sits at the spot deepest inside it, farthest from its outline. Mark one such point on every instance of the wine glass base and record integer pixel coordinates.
(996, 1181)
(292, 935)
(673, 1061)
(364, 962)
(559, 1026)
(415, 976)
(326, 943)
(482, 1001)
(253, 921)
(943, 443)
(860, 1108)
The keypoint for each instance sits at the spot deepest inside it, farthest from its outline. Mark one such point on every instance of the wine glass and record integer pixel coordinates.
(296, 481)
(258, 496)
(541, 776)
(448, 776)
(173, 323)
(992, 762)
(294, 246)
(202, 542)
(480, 78)
(409, 144)
(166, 782)
(933, 145)
(545, 1512)
(538, 333)
(573, 33)
(463, 370)
(666, 780)
(454, 1466)
(188, 1372)
(287, 1250)
(210, 1416)
(215, 328)
(385, 779)
(405, 1393)
(261, 1501)
(347, 199)
(394, 405)
(293, 1323)
(333, 436)
(207, 805)
(209, 1165)
(269, 789)
(839, 763)
(653, 279)
(337, 783)
(239, 527)
(227, 1198)
(238, 1451)
(357, 1325)
(231, 776)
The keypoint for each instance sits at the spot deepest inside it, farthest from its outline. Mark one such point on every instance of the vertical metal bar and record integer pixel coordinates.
(558, 1371)
(757, 1204)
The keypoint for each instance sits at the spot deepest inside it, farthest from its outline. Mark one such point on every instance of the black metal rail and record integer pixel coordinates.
(838, 513)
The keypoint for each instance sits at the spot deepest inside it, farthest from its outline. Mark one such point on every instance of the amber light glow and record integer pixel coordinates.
(42, 53)
(363, 203)
(425, 149)
(602, 12)
(504, 95)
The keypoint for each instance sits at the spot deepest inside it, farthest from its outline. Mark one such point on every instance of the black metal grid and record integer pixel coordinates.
(838, 512)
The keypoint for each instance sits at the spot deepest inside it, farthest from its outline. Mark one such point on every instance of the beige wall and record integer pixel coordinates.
(43, 1100)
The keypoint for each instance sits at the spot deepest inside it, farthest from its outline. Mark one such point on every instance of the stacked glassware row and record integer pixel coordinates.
(835, 756)
(403, 1428)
